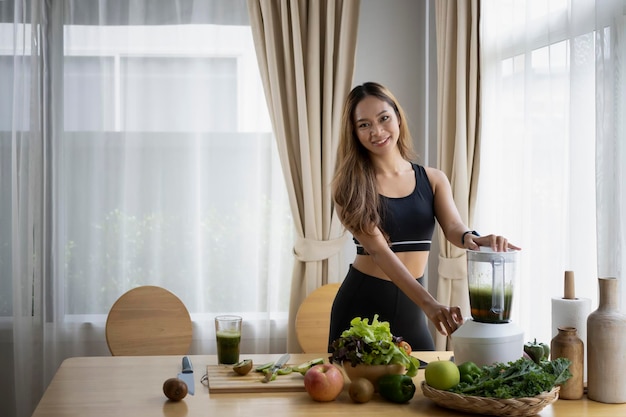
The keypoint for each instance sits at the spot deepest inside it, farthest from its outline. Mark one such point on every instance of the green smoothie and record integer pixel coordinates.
(480, 304)
(228, 346)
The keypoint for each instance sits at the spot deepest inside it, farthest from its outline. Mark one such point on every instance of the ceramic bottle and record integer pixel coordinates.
(606, 347)
(567, 344)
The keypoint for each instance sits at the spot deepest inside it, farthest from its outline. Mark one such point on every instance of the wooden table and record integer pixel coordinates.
(132, 386)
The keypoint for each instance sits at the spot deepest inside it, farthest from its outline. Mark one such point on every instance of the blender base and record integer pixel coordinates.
(487, 343)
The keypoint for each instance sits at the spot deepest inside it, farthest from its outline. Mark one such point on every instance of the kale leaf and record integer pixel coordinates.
(521, 378)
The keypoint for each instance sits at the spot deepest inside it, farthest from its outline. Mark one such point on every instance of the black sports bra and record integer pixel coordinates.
(409, 221)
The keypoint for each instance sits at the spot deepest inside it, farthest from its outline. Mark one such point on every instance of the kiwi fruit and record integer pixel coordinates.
(243, 367)
(175, 389)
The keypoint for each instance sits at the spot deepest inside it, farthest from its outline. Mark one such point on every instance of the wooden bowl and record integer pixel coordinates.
(371, 372)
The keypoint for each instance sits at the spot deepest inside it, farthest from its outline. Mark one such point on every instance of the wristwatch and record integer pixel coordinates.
(469, 231)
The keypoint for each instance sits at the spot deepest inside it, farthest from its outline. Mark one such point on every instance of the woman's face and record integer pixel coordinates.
(376, 125)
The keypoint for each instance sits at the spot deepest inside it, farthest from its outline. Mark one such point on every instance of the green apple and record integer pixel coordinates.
(442, 375)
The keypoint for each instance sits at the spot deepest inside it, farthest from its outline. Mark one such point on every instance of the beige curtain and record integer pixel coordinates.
(306, 51)
(458, 96)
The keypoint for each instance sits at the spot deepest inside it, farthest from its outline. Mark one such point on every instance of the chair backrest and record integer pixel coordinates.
(313, 319)
(148, 320)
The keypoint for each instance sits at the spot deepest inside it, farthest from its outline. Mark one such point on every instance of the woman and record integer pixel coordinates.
(390, 204)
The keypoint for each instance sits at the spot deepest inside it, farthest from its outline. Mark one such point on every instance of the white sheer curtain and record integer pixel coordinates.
(553, 153)
(136, 149)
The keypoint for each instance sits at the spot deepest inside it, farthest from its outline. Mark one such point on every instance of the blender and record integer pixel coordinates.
(489, 336)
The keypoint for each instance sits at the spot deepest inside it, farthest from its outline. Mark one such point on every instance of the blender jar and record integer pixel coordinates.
(491, 277)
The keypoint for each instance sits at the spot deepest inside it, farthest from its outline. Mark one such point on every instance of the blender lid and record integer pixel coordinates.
(488, 249)
(486, 254)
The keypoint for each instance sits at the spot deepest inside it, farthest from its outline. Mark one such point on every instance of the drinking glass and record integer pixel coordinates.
(228, 338)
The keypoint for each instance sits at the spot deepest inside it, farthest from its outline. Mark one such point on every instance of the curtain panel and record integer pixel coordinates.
(32, 167)
(306, 52)
(458, 140)
(610, 115)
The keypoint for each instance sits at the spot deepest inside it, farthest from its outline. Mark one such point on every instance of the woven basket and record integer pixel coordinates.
(527, 406)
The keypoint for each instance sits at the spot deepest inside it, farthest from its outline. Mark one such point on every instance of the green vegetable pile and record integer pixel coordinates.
(371, 344)
(522, 378)
(469, 371)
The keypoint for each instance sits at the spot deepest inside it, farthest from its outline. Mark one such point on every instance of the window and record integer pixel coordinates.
(538, 150)
(165, 171)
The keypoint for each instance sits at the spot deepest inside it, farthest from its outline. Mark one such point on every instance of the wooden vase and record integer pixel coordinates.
(567, 344)
(606, 347)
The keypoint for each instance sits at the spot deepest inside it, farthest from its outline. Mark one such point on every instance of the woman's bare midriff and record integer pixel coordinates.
(414, 261)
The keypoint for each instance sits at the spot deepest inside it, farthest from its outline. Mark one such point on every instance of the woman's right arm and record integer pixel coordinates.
(446, 319)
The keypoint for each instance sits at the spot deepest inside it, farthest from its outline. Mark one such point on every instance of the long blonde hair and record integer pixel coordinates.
(354, 183)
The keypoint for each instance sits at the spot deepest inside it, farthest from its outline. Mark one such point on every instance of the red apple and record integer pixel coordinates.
(323, 382)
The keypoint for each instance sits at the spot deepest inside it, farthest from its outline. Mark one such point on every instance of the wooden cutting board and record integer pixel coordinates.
(222, 379)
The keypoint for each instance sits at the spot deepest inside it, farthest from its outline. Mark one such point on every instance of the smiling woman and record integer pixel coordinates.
(377, 125)
(390, 204)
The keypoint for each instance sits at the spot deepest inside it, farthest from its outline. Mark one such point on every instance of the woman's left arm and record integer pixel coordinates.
(450, 220)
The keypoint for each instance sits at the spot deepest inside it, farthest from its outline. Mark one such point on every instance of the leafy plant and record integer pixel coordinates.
(371, 344)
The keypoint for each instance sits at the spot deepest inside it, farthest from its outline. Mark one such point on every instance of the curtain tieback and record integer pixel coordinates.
(311, 250)
(453, 268)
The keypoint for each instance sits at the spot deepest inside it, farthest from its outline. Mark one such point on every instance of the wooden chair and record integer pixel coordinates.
(148, 320)
(313, 319)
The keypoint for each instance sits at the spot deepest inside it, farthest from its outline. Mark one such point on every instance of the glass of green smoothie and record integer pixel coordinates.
(228, 337)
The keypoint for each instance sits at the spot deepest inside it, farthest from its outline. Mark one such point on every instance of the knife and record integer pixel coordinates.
(269, 374)
(187, 374)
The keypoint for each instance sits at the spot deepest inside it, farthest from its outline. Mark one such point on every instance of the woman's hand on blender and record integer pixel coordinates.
(496, 243)
(445, 319)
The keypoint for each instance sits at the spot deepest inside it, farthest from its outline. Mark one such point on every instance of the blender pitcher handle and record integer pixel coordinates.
(497, 295)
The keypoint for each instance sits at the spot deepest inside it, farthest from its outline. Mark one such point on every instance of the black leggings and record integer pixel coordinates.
(362, 295)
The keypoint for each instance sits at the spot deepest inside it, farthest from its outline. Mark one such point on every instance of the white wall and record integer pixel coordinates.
(396, 47)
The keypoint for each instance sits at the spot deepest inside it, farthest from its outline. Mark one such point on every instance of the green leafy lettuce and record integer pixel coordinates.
(371, 344)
